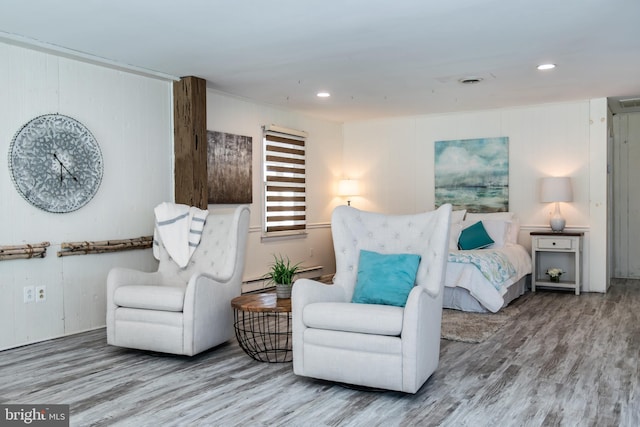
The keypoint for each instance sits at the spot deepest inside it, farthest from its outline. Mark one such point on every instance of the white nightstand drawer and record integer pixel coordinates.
(559, 243)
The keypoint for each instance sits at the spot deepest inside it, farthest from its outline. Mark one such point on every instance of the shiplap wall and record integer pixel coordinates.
(324, 170)
(626, 227)
(394, 160)
(130, 116)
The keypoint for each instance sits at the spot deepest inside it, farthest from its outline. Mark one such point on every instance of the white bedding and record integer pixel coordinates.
(469, 277)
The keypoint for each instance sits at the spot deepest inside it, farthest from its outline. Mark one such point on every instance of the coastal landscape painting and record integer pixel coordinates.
(473, 174)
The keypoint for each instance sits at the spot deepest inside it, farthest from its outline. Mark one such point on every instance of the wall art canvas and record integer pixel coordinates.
(229, 168)
(473, 174)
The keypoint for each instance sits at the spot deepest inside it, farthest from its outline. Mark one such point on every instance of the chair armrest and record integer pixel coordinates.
(208, 317)
(304, 292)
(307, 291)
(204, 290)
(124, 276)
(421, 336)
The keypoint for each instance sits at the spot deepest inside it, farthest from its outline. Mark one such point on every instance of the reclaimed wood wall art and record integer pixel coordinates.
(104, 246)
(229, 168)
(26, 251)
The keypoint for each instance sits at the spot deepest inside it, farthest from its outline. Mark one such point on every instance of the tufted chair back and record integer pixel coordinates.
(215, 255)
(353, 230)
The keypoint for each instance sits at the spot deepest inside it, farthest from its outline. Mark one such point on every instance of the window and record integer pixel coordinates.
(284, 181)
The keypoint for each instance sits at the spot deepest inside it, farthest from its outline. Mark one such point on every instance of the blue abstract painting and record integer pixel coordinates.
(473, 174)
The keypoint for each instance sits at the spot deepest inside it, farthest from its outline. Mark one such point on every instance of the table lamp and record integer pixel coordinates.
(348, 188)
(556, 190)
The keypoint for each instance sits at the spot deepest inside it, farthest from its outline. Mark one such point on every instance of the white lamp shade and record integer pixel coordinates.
(348, 187)
(556, 189)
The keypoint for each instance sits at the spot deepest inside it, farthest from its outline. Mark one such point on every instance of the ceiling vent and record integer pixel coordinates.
(471, 80)
(630, 103)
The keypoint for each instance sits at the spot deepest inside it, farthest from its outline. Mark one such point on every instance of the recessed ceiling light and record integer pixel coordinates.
(323, 94)
(546, 66)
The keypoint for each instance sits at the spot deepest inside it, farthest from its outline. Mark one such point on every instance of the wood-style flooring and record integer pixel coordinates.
(565, 360)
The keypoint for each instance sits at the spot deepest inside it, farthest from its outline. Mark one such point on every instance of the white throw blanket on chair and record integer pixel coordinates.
(180, 228)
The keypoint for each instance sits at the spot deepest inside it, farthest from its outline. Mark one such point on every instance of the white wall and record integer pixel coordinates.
(324, 169)
(130, 117)
(394, 160)
(598, 245)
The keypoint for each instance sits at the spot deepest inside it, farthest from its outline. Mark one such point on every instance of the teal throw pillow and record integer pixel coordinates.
(385, 278)
(474, 237)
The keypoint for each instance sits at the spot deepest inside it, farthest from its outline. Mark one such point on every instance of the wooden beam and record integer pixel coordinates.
(190, 141)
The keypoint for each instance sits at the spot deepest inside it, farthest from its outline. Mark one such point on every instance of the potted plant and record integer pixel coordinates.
(554, 274)
(281, 273)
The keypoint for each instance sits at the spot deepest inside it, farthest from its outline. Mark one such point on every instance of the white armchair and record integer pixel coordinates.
(182, 310)
(380, 346)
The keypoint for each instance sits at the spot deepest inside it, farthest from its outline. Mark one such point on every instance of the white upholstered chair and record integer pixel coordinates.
(379, 346)
(182, 310)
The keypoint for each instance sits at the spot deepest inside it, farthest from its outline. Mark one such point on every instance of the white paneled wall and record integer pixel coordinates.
(324, 170)
(130, 116)
(394, 159)
(626, 227)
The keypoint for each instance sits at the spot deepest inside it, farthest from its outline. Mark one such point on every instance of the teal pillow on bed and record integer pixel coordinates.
(474, 237)
(385, 278)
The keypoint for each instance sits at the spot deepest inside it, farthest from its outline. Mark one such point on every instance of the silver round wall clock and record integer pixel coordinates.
(55, 163)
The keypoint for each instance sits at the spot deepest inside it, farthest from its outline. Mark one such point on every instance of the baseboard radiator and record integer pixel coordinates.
(260, 284)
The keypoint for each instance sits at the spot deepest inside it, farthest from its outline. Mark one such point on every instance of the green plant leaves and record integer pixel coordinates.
(282, 271)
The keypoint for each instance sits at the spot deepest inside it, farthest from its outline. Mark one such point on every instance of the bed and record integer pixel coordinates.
(488, 278)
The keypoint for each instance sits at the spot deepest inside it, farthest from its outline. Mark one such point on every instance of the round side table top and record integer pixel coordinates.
(266, 302)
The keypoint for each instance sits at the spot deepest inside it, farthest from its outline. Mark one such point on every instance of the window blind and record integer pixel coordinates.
(285, 182)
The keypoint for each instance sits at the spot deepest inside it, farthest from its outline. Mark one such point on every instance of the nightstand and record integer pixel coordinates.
(556, 250)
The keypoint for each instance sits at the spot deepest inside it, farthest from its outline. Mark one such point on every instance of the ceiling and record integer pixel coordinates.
(377, 58)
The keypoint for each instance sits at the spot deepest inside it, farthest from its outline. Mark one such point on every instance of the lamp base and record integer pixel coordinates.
(557, 222)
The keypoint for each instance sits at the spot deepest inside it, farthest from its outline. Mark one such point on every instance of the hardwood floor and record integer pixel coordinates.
(565, 360)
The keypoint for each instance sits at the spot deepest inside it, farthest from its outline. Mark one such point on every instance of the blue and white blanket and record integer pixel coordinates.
(180, 228)
(494, 266)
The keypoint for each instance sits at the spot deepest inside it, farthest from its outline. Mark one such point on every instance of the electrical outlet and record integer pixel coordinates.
(29, 294)
(41, 293)
(310, 252)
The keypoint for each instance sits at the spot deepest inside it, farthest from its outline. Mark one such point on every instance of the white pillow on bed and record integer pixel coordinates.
(498, 231)
(509, 217)
(456, 227)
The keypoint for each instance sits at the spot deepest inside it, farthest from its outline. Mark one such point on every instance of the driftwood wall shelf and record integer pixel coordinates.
(33, 250)
(105, 246)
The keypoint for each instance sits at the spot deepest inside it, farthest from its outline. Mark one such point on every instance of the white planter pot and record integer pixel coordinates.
(283, 291)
